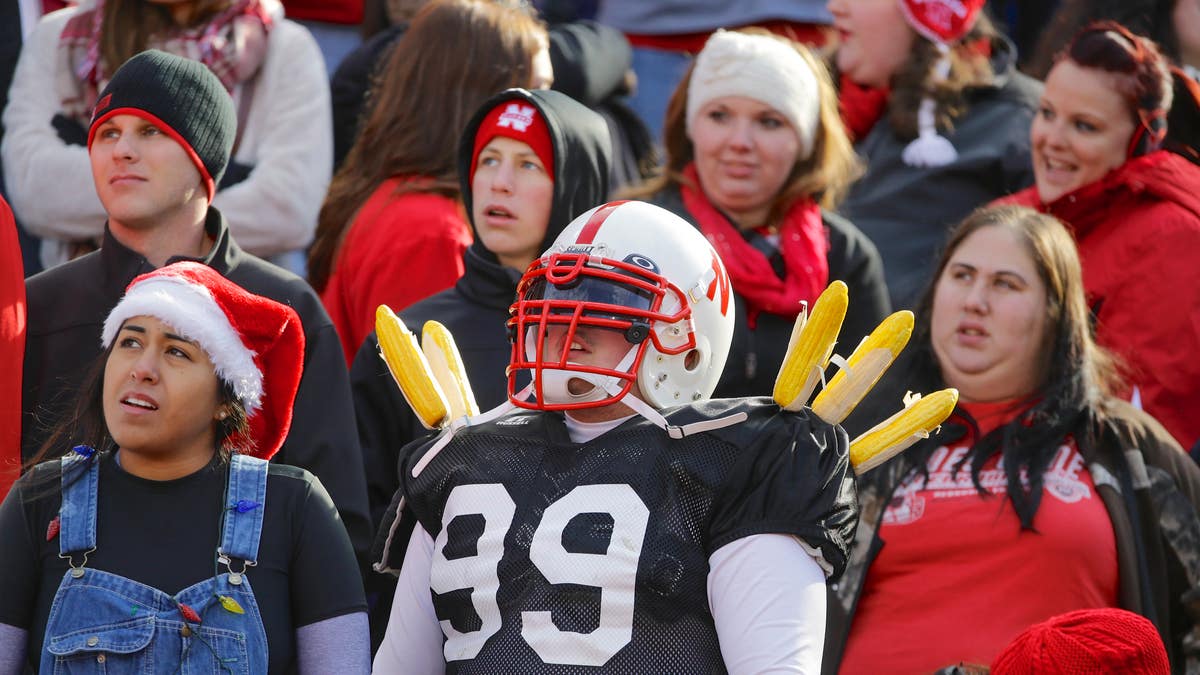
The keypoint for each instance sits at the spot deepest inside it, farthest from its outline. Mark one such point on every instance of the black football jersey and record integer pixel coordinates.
(559, 557)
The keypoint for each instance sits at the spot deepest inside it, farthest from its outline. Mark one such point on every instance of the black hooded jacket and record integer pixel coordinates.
(476, 308)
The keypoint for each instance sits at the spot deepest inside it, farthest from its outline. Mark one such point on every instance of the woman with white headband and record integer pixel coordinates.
(164, 541)
(756, 152)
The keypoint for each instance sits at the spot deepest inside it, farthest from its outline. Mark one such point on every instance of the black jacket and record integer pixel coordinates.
(756, 354)
(907, 211)
(350, 87)
(476, 308)
(591, 64)
(68, 305)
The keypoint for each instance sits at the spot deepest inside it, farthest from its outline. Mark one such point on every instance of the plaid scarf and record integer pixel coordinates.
(232, 44)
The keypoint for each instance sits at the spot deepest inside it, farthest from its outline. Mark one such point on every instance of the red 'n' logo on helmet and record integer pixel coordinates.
(720, 282)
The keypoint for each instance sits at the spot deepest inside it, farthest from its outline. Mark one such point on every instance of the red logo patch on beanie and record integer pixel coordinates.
(521, 122)
(101, 105)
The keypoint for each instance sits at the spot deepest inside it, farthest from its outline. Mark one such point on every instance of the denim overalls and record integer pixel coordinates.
(104, 623)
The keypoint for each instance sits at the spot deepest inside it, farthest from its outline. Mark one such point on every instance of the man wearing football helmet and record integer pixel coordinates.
(611, 515)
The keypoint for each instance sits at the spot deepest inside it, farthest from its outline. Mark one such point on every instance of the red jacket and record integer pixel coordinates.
(1138, 231)
(399, 249)
(12, 348)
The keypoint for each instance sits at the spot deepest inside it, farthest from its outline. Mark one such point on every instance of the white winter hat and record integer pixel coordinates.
(763, 68)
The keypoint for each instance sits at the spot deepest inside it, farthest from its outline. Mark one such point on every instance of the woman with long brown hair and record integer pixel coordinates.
(392, 230)
(271, 66)
(1044, 492)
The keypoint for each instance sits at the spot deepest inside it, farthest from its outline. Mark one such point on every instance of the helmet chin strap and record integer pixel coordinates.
(555, 382)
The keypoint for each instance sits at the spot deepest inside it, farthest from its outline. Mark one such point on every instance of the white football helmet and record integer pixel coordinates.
(638, 269)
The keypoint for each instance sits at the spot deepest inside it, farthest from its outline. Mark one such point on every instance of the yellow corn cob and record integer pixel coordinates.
(410, 369)
(866, 365)
(891, 436)
(810, 347)
(447, 366)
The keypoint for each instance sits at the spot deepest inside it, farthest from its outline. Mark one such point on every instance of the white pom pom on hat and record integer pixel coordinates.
(942, 22)
(762, 68)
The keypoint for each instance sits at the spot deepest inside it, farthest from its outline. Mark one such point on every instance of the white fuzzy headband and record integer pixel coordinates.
(764, 69)
(191, 309)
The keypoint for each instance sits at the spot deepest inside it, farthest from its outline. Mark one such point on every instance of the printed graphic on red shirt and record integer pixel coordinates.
(941, 589)
(1065, 480)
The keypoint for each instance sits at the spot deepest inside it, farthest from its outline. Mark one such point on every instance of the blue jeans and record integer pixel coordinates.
(104, 623)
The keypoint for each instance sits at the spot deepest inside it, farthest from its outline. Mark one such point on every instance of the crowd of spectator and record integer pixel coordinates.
(1023, 176)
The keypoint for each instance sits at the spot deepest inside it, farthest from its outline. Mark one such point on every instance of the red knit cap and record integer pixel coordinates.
(1086, 641)
(518, 120)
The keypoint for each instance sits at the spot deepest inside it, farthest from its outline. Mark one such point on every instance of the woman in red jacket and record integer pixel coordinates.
(392, 230)
(1134, 208)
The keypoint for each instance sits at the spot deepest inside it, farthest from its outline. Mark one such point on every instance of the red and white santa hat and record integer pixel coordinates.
(942, 21)
(256, 344)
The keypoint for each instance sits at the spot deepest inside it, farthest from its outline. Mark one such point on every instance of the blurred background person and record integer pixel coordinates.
(953, 135)
(520, 187)
(164, 537)
(1133, 207)
(756, 153)
(334, 24)
(1043, 493)
(667, 34)
(384, 23)
(271, 66)
(591, 64)
(1174, 25)
(392, 229)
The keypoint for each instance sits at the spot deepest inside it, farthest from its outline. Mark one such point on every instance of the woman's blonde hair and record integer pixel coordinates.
(825, 175)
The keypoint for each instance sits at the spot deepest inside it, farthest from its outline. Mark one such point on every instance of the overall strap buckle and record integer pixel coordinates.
(241, 529)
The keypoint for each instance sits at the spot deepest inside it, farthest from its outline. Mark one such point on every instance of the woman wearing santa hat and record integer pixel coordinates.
(165, 539)
(953, 135)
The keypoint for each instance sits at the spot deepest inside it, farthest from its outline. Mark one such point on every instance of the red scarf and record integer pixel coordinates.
(802, 239)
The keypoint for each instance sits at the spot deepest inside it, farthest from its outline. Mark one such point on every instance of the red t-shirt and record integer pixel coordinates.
(957, 579)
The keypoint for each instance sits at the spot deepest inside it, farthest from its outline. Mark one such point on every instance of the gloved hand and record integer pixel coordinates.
(69, 130)
(235, 173)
